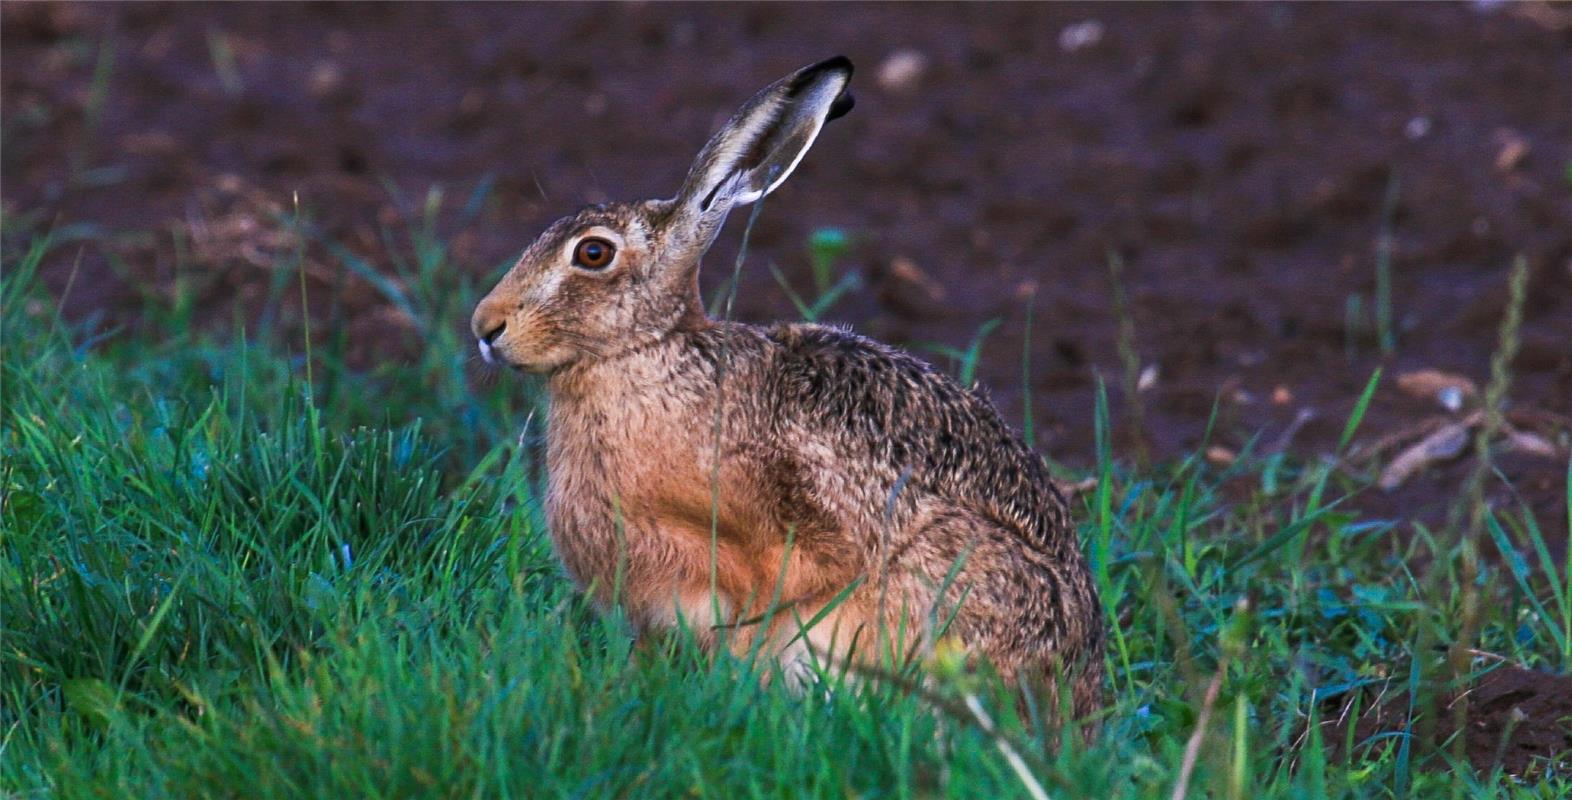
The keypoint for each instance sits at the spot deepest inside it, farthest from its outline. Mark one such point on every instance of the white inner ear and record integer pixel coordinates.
(724, 176)
(806, 119)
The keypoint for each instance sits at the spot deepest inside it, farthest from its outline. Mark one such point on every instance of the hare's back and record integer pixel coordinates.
(901, 429)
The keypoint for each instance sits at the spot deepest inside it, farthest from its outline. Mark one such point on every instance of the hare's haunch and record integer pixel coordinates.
(705, 473)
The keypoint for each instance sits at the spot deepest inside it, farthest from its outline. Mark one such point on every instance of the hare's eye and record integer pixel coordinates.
(593, 253)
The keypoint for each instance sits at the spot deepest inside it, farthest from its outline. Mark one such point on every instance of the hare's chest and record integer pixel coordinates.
(624, 451)
(615, 475)
(639, 477)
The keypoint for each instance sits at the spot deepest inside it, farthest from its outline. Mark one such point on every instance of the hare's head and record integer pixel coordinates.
(613, 277)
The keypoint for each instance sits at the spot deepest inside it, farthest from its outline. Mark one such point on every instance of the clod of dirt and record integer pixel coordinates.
(1443, 445)
(907, 290)
(1220, 456)
(1532, 444)
(1449, 389)
(1074, 489)
(1544, 14)
(327, 84)
(239, 227)
(45, 22)
(239, 236)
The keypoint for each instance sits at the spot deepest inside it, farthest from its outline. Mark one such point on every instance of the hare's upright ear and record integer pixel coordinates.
(762, 143)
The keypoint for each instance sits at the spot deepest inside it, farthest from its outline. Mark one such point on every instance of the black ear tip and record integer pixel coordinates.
(841, 106)
(839, 63)
(844, 102)
(803, 78)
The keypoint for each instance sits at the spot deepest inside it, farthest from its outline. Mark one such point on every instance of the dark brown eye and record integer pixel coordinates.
(593, 253)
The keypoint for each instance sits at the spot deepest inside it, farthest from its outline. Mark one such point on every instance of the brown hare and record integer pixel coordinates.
(707, 473)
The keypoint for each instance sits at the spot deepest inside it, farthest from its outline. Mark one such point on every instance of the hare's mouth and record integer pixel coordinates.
(487, 343)
(489, 354)
(495, 355)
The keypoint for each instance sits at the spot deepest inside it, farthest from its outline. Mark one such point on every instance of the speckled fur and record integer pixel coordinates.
(872, 466)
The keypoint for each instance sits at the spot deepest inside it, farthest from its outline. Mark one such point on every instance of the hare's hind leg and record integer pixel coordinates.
(1032, 615)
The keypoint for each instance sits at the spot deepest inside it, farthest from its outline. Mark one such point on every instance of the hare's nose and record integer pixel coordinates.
(488, 322)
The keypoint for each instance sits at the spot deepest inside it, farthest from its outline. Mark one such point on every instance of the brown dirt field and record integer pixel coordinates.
(1518, 719)
(1236, 158)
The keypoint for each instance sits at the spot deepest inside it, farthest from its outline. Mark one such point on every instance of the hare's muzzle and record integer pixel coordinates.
(488, 323)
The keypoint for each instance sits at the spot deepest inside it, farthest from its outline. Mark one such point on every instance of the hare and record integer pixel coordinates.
(796, 489)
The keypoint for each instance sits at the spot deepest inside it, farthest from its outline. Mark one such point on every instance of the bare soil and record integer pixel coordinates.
(1517, 719)
(1240, 161)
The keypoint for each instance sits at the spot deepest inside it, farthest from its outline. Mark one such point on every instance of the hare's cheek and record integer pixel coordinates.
(532, 346)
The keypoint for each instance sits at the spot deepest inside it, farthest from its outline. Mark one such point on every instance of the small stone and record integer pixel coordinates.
(326, 79)
(1514, 149)
(1417, 128)
(1080, 36)
(1451, 398)
(902, 71)
(1147, 379)
(1218, 455)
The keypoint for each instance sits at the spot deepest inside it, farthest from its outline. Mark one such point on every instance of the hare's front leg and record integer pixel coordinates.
(823, 636)
(746, 601)
(672, 579)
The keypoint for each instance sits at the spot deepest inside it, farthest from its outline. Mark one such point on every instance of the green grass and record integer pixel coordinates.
(220, 578)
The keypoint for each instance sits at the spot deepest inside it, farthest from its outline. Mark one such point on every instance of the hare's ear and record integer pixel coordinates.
(762, 143)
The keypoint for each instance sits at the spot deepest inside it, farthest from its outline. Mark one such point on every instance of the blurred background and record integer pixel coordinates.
(1245, 207)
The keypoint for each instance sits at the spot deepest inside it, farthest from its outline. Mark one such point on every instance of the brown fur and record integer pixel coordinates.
(672, 437)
